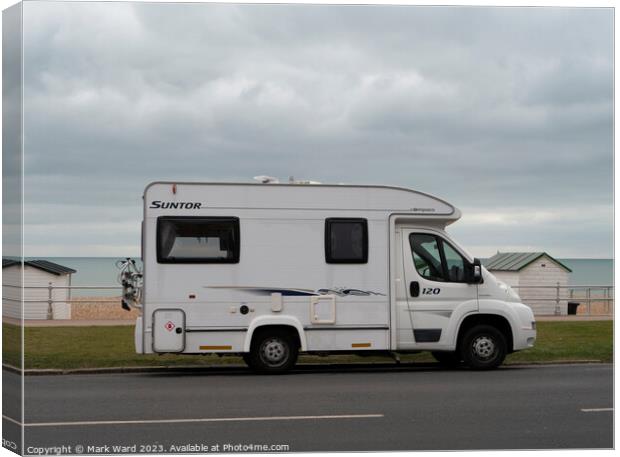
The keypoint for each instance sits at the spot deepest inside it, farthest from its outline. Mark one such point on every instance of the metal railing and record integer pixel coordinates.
(50, 295)
(586, 294)
(605, 296)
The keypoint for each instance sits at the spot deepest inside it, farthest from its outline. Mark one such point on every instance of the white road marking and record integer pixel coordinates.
(596, 410)
(15, 421)
(210, 419)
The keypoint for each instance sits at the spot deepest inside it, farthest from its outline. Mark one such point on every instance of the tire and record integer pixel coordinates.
(483, 347)
(273, 352)
(447, 359)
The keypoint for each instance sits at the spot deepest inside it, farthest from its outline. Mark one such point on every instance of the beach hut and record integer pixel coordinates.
(37, 273)
(524, 270)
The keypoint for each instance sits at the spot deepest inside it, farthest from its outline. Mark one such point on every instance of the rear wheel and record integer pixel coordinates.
(483, 347)
(447, 358)
(272, 352)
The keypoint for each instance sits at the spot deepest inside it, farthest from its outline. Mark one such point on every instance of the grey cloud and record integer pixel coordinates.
(501, 107)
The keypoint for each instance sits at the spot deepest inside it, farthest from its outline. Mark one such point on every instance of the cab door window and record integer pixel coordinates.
(455, 264)
(435, 259)
(427, 256)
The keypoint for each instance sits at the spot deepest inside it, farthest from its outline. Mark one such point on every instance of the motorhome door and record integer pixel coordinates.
(168, 330)
(435, 284)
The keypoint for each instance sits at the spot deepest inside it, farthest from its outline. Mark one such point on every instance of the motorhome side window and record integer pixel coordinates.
(435, 259)
(346, 240)
(192, 239)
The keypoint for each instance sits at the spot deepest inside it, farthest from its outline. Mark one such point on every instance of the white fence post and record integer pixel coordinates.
(607, 302)
(50, 302)
(557, 299)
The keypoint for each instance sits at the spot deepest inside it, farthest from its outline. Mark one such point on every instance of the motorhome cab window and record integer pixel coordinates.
(197, 239)
(435, 259)
(346, 240)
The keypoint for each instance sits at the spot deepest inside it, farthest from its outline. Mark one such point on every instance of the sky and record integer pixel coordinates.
(507, 113)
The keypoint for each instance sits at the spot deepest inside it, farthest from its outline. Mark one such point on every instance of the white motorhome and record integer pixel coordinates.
(271, 270)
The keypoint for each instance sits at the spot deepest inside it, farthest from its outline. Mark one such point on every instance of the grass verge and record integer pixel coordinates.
(99, 347)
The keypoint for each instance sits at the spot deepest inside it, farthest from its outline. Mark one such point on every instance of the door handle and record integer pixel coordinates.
(414, 288)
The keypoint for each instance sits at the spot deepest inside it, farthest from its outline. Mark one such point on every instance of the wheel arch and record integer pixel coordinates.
(498, 321)
(288, 323)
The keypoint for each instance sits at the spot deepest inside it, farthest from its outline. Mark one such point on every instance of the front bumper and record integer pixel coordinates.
(524, 339)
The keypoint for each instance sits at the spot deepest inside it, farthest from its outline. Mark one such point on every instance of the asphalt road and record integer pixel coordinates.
(411, 408)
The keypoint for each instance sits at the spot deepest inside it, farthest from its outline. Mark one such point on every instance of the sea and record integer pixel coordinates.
(102, 271)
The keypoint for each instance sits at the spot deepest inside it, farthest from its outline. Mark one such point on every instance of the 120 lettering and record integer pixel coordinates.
(431, 291)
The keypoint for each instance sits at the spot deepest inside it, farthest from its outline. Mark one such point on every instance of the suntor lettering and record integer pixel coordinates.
(158, 204)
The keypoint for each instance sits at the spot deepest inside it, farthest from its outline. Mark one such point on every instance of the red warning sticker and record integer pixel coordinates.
(169, 326)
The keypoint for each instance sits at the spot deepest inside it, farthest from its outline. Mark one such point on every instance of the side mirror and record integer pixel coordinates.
(476, 272)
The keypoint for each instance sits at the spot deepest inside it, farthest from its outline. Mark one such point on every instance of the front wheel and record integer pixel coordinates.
(483, 347)
(272, 353)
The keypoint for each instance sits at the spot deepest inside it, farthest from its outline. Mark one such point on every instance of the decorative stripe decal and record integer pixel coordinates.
(345, 292)
(340, 291)
(268, 290)
(215, 348)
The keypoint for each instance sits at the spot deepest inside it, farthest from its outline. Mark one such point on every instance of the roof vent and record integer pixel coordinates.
(266, 179)
(292, 180)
